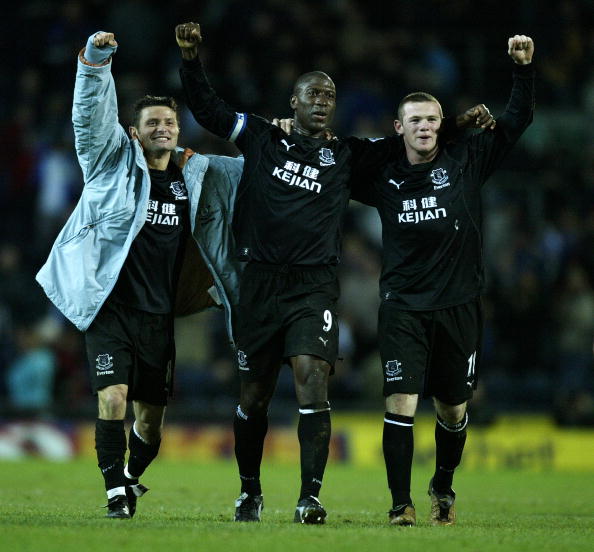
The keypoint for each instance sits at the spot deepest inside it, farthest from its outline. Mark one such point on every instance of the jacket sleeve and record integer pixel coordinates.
(99, 137)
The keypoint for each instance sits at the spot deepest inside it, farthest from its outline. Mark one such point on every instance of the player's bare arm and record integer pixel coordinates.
(188, 37)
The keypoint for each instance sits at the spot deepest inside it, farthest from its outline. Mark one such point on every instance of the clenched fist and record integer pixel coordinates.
(100, 46)
(478, 116)
(188, 37)
(102, 39)
(520, 48)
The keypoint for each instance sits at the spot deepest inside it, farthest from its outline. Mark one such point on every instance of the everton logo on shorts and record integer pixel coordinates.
(393, 368)
(104, 362)
(179, 190)
(326, 157)
(242, 360)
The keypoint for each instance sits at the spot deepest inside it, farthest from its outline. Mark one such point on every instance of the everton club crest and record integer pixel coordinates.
(326, 157)
(178, 189)
(440, 178)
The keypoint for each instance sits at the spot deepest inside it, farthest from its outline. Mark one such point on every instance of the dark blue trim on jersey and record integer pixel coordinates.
(238, 126)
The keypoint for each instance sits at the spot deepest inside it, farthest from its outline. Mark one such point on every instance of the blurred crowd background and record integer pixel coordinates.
(539, 208)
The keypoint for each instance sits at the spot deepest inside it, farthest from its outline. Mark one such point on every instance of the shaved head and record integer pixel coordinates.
(313, 103)
(306, 77)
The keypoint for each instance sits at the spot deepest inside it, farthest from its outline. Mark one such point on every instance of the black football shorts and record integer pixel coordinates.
(285, 312)
(431, 353)
(132, 347)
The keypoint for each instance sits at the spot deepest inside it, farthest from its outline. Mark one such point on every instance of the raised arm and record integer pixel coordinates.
(99, 49)
(98, 134)
(490, 148)
(519, 110)
(208, 109)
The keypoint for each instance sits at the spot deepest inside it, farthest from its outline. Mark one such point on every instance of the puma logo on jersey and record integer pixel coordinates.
(397, 184)
(286, 144)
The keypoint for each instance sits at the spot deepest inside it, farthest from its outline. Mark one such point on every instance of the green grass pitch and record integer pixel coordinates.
(47, 506)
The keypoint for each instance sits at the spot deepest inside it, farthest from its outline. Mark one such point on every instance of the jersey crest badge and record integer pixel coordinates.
(178, 189)
(326, 157)
(440, 178)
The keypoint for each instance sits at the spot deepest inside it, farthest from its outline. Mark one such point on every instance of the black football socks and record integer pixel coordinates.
(110, 443)
(141, 454)
(398, 445)
(314, 431)
(250, 432)
(449, 444)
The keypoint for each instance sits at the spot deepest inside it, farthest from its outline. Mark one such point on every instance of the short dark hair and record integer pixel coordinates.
(150, 101)
(415, 97)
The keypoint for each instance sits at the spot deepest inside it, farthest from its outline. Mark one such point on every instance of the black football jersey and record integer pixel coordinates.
(294, 189)
(149, 276)
(431, 212)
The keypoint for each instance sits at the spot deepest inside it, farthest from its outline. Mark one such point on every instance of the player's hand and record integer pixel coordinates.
(329, 134)
(286, 125)
(521, 49)
(104, 39)
(100, 46)
(478, 116)
(188, 36)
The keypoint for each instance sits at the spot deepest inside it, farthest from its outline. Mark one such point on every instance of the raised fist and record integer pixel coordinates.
(520, 48)
(478, 116)
(188, 35)
(100, 46)
(102, 39)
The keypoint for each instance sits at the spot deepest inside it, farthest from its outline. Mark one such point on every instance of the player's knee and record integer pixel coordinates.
(311, 373)
(255, 397)
(451, 414)
(149, 431)
(255, 408)
(254, 404)
(402, 404)
(113, 402)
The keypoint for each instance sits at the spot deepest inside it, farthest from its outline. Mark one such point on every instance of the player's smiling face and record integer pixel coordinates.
(314, 105)
(157, 130)
(419, 125)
